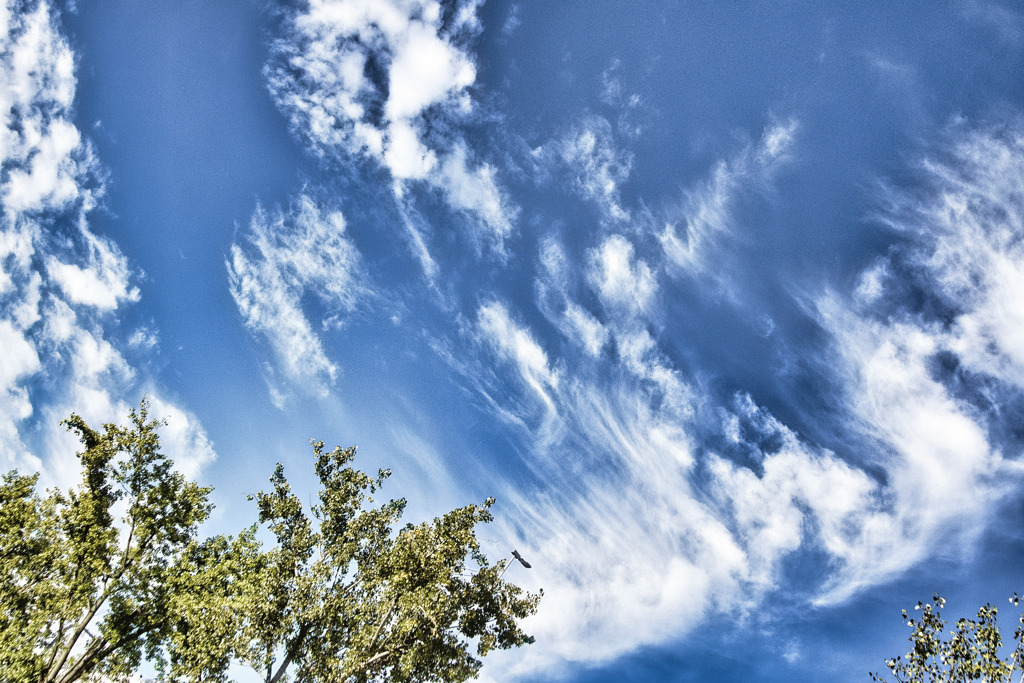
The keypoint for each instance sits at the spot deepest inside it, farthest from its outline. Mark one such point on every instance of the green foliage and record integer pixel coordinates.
(970, 651)
(341, 596)
(337, 595)
(81, 594)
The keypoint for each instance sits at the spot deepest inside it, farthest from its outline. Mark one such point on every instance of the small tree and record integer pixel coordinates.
(971, 651)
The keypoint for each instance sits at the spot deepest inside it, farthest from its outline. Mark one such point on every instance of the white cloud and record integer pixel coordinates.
(360, 77)
(18, 361)
(514, 343)
(622, 543)
(801, 496)
(636, 547)
(590, 332)
(552, 282)
(627, 105)
(417, 229)
(588, 154)
(871, 283)
(775, 145)
(934, 451)
(611, 92)
(103, 279)
(573, 320)
(144, 338)
(943, 472)
(284, 258)
(16, 250)
(476, 192)
(48, 176)
(640, 354)
(83, 372)
(626, 289)
(639, 535)
(621, 536)
(93, 359)
(406, 156)
(973, 229)
(622, 282)
(58, 286)
(182, 437)
(425, 69)
(696, 230)
(39, 144)
(617, 576)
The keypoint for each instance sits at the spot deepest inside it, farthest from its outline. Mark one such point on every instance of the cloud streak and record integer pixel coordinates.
(283, 259)
(703, 223)
(589, 158)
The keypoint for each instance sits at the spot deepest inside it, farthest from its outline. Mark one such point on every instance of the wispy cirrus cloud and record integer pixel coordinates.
(923, 354)
(932, 447)
(659, 502)
(621, 536)
(283, 258)
(970, 229)
(622, 282)
(589, 157)
(62, 285)
(630, 106)
(626, 291)
(104, 283)
(786, 494)
(618, 535)
(702, 223)
(637, 532)
(927, 346)
(389, 82)
(660, 505)
(515, 344)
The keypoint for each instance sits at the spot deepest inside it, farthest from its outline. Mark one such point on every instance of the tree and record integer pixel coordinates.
(971, 651)
(339, 594)
(80, 594)
(342, 597)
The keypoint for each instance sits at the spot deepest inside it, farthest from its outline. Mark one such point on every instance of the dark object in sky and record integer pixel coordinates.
(515, 554)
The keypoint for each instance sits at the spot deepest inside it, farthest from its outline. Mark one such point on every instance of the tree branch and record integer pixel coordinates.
(371, 660)
(380, 627)
(58, 637)
(83, 623)
(127, 560)
(97, 651)
(292, 651)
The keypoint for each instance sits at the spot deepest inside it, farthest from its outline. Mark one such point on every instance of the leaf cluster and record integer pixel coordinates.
(970, 651)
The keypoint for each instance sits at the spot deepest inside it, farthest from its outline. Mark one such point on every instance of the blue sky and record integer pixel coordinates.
(722, 301)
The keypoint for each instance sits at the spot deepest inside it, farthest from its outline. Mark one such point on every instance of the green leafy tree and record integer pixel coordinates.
(971, 651)
(79, 593)
(341, 596)
(338, 595)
